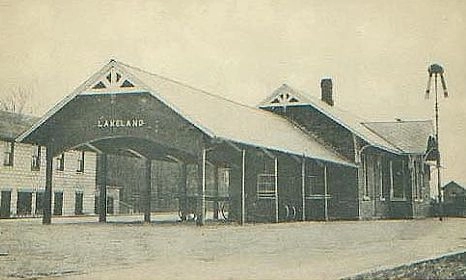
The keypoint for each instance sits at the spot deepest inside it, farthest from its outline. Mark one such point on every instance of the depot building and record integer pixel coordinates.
(292, 158)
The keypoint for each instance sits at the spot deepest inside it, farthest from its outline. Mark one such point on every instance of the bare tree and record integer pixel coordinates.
(16, 100)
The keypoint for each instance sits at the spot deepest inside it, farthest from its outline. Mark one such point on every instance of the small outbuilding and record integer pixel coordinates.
(454, 199)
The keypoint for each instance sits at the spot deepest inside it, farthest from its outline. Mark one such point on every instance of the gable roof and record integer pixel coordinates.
(214, 115)
(13, 124)
(408, 136)
(346, 119)
(452, 184)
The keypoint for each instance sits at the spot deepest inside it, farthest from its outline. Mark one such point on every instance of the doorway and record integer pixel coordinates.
(5, 204)
(78, 203)
(24, 204)
(58, 204)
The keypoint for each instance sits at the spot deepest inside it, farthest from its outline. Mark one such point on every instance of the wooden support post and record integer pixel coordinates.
(391, 179)
(216, 185)
(243, 187)
(202, 207)
(103, 188)
(276, 189)
(303, 188)
(183, 199)
(47, 217)
(326, 193)
(148, 190)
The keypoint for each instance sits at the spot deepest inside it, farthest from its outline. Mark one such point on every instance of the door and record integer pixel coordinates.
(5, 204)
(24, 203)
(40, 203)
(110, 208)
(78, 203)
(58, 204)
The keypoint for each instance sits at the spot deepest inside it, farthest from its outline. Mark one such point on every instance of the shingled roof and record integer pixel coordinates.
(408, 136)
(214, 115)
(13, 124)
(346, 119)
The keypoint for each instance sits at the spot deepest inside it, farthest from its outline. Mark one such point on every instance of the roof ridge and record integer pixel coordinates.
(201, 91)
(186, 85)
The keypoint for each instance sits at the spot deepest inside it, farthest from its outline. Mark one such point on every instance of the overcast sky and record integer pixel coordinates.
(377, 52)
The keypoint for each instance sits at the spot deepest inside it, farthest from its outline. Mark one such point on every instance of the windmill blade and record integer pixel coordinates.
(429, 81)
(444, 86)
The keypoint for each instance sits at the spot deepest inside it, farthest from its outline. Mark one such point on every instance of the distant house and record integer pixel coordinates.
(22, 175)
(455, 199)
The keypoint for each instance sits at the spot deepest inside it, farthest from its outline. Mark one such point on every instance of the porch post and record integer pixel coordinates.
(216, 208)
(325, 193)
(103, 188)
(391, 179)
(47, 217)
(243, 182)
(202, 164)
(303, 188)
(276, 188)
(148, 190)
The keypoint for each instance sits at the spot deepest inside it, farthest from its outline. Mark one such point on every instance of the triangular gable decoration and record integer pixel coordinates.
(113, 80)
(284, 98)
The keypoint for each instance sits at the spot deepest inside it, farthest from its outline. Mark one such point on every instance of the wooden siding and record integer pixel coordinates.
(20, 177)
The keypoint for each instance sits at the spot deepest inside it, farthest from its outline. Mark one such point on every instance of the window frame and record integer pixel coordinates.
(8, 153)
(81, 162)
(36, 157)
(60, 162)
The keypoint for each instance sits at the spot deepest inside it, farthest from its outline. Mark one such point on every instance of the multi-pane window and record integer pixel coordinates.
(80, 162)
(8, 153)
(386, 178)
(265, 185)
(224, 182)
(366, 171)
(35, 163)
(418, 180)
(61, 162)
(399, 179)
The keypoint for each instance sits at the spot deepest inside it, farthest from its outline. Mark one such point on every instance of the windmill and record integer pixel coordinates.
(437, 71)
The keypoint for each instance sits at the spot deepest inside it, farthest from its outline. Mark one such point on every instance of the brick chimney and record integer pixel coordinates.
(326, 89)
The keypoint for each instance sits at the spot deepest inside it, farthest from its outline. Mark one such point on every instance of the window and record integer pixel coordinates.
(61, 162)
(266, 185)
(80, 162)
(418, 180)
(399, 179)
(386, 179)
(224, 182)
(8, 153)
(365, 159)
(35, 164)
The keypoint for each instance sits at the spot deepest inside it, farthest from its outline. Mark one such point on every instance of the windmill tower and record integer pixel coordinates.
(437, 71)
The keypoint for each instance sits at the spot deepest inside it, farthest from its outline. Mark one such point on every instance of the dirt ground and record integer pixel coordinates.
(80, 248)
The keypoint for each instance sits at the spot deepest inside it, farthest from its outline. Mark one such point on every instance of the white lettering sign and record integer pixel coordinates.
(115, 123)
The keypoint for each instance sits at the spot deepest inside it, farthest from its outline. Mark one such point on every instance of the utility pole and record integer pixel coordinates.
(437, 71)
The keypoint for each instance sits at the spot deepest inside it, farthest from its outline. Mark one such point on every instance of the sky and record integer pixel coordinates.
(376, 52)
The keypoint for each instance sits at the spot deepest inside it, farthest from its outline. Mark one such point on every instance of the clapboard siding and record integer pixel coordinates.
(20, 177)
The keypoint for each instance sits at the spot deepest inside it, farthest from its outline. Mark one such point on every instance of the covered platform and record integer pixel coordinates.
(273, 170)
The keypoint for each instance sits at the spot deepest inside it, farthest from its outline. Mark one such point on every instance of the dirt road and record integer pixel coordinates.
(310, 250)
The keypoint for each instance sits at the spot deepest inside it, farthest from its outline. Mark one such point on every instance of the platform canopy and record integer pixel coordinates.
(136, 109)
